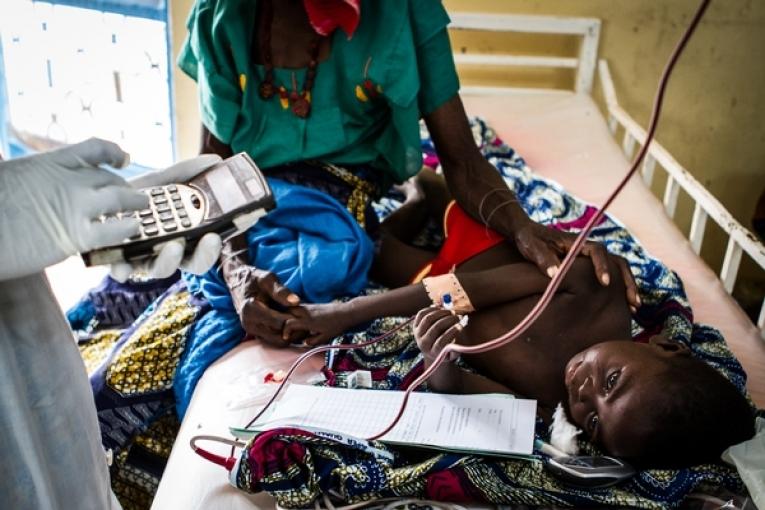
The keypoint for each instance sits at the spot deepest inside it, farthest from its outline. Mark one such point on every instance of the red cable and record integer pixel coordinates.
(549, 292)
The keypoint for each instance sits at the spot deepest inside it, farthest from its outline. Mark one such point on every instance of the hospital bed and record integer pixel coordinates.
(563, 136)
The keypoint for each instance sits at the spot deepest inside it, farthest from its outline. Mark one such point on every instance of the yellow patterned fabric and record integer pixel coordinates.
(95, 351)
(147, 361)
(362, 192)
(132, 372)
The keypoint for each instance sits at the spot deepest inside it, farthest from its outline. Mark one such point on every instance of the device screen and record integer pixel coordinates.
(225, 189)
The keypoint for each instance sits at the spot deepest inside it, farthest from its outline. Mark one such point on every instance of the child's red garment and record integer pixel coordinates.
(465, 238)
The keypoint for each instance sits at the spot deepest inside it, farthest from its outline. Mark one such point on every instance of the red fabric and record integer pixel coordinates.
(268, 454)
(327, 15)
(447, 485)
(465, 238)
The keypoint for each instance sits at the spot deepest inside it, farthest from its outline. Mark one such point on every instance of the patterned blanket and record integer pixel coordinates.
(295, 466)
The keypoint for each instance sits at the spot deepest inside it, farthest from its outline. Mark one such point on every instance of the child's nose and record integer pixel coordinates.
(585, 389)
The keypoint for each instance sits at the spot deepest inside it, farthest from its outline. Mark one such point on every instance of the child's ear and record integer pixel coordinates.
(671, 347)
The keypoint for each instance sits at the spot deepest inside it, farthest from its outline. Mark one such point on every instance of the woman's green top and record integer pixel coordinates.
(401, 46)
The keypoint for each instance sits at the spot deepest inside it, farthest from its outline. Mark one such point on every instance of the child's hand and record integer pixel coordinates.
(316, 324)
(434, 329)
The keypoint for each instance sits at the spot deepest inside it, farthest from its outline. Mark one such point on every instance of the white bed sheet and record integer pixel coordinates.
(562, 136)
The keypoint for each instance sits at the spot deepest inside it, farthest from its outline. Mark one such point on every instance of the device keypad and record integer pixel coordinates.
(165, 212)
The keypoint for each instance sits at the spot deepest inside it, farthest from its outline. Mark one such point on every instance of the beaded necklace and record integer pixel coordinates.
(300, 101)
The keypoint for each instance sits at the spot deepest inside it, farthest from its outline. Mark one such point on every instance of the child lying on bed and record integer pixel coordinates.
(651, 403)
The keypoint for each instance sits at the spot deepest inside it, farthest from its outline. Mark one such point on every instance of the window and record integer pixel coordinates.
(72, 69)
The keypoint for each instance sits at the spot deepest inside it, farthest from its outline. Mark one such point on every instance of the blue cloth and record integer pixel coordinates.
(310, 242)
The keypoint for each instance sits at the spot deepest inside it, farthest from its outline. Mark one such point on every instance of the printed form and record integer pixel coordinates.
(493, 424)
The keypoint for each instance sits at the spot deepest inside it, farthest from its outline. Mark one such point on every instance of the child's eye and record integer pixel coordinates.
(611, 380)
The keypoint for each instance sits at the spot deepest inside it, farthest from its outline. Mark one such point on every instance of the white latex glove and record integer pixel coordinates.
(749, 459)
(171, 256)
(50, 204)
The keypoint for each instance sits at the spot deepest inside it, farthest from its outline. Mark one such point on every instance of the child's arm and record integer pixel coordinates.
(434, 329)
(484, 288)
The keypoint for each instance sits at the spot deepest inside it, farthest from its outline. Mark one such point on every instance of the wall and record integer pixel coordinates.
(714, 115)
(186, 109)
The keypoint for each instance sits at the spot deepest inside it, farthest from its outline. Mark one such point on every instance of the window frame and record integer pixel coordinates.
(157, 10)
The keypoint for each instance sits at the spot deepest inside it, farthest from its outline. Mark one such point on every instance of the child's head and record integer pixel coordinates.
(654, 404)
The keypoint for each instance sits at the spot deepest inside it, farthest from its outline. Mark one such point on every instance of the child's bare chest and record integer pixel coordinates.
(532, 366)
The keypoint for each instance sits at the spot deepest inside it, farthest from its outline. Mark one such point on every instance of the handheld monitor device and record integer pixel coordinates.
(590, 472)
(228, 198)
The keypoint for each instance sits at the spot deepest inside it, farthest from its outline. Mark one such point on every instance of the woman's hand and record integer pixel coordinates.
(318, 324)
(255, 292)
(545, 247)
(434, 329)
(481, 191)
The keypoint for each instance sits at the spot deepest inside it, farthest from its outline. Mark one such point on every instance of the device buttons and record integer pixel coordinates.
(185, 223)
(163, 208)
(157, 191)
(172, 188)
(151, 231)
(145, 212)
(170, 227)
(160, 200)
(147, 221)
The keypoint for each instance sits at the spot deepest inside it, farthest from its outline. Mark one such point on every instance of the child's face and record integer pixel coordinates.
(612, 387)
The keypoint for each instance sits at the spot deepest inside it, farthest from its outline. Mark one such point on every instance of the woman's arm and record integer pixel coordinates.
(254, 291)
(470, 178)
(210, 144)
(481, 191)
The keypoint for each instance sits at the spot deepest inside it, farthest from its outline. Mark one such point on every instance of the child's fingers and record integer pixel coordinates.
(448, 337)
(423, 313)
(438, 328)
(428, 319)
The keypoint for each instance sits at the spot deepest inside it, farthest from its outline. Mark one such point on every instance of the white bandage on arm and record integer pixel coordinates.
(438, 286)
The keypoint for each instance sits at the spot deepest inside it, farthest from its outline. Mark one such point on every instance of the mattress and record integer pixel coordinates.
(563, 137)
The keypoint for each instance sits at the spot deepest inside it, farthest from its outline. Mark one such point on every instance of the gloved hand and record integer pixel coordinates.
(50, 204)
(171, 256)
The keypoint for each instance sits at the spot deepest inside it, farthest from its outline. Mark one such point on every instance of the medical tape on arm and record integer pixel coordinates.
(448, 284)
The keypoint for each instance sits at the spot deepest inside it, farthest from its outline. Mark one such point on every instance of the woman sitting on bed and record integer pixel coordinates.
(651, 403)
(338, 111)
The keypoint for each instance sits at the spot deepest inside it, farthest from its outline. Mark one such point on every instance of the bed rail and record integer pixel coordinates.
(706, 206)
(587, 28)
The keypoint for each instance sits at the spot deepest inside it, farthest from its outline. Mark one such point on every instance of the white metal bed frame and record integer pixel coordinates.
(706, 206)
